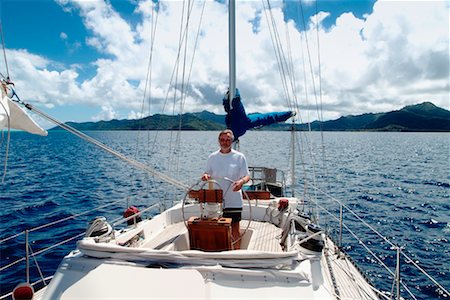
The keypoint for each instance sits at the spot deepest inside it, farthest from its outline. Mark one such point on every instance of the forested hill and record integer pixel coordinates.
(420, 117)
(189, 121)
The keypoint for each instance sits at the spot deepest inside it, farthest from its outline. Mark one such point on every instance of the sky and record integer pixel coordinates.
(91, 60)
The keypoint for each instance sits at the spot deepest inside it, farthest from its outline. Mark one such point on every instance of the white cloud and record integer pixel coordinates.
(132, 115)
(107, 113)
(398, 55)
(37, 79)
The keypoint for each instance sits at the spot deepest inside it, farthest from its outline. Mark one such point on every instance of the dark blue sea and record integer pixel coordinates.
(398, 183)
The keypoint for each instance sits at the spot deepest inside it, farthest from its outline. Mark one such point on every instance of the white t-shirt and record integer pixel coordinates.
(232, 165)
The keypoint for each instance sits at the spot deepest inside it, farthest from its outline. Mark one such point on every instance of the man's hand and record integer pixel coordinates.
(237, 185)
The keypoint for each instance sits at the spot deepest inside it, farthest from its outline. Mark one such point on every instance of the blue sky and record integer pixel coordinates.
(88, 60)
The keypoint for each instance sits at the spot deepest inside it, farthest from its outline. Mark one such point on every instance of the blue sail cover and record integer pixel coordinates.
(239, 122)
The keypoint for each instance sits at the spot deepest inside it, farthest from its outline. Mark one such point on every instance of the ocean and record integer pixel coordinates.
(398, 183)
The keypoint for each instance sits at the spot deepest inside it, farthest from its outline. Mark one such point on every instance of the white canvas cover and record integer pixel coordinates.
(18, 118)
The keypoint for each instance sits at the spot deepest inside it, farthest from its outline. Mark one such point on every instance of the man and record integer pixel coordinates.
(229, 168)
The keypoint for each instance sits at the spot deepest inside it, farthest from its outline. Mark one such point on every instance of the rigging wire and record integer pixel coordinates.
(148, 78)
(285, 68)
(381, 236)
(4, 51)
(150, 185)
(87, 138)
(287, 74)
(8, 138)
(184, 78)
(183, 33)
(174, 74)
(182, 90)
(185, 83)
(319, 69)
(37, 264)
(276, 43)
(310, 62)
(318, 108)
(151, 151)
(290, 68)
(296, 109)
(174, 149)
(58, 221)
(4, 87)
(309, 143)
(300, 135)
(319, 105)
(148, 88)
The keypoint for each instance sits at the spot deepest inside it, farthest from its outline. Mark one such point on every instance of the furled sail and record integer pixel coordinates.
(239, 122)
(13, 116)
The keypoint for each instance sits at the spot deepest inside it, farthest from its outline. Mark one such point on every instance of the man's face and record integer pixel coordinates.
(225, 141)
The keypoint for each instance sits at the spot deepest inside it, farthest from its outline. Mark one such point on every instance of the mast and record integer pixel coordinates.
(232, 48)
(293, 159)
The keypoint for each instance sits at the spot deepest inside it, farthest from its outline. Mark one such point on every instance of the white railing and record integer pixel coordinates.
(398, 283)
(29, 254)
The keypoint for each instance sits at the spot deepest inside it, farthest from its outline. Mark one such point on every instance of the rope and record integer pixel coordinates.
(37, 265)
(102, 146)
(5, 163)
(7, 115)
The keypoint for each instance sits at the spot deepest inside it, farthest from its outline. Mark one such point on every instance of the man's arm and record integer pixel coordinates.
(237, 185)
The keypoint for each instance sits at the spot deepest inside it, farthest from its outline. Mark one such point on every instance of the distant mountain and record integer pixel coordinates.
(206, 115)
(420, 117)
(156, 122)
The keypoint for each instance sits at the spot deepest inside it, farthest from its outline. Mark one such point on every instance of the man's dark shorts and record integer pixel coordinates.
(234, 213)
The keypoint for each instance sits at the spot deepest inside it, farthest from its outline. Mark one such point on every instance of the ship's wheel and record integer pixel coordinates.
(210, 201)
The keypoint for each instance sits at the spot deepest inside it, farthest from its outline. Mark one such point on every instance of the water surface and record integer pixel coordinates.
(397, 182)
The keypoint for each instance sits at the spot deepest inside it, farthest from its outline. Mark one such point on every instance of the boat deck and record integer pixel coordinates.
(259, 270)
(265, 236)
(344, 276)
(167, 239)
(260, 236)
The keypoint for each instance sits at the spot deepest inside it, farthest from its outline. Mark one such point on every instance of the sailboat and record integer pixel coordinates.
(188, 251)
